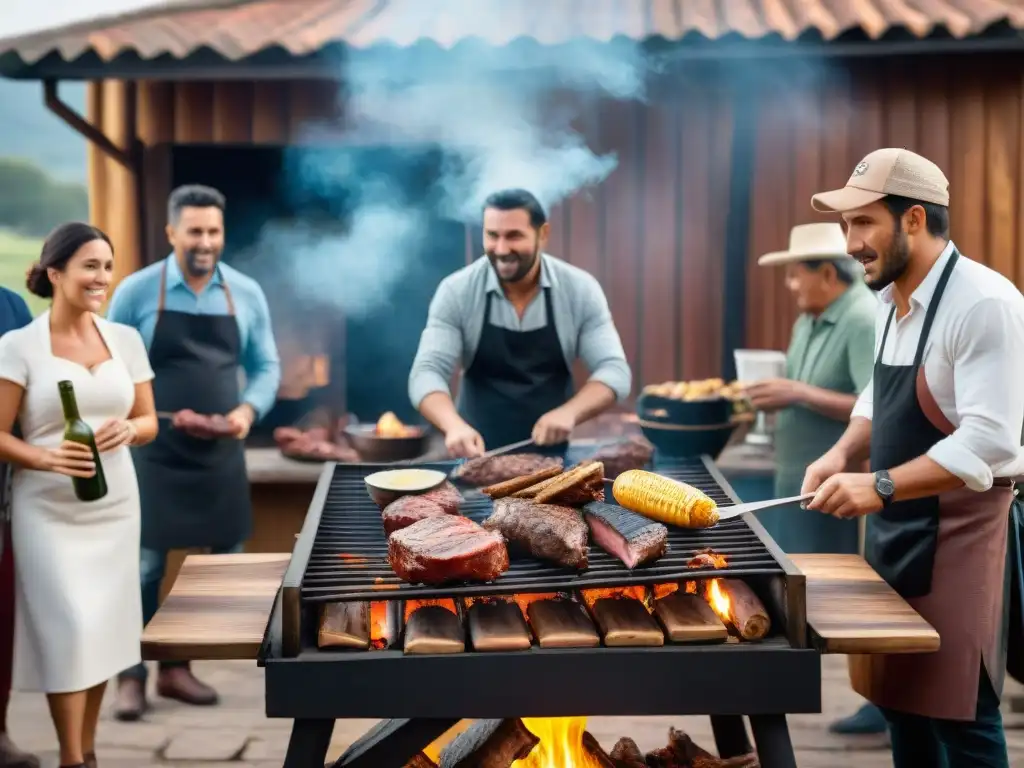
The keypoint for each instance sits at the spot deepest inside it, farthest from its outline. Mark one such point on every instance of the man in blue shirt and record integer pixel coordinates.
(202, 321)
(14, 314)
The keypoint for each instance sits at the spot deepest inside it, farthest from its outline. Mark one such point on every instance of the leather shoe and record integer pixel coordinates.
(180, 684)
(12, 757)
(130, 704)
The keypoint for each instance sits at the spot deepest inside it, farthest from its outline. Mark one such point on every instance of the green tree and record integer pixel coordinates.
(31, 203)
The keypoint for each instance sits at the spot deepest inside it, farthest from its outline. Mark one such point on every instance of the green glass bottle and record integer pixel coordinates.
(77, 431)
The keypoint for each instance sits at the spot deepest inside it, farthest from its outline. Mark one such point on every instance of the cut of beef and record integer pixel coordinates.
(632, 538)
(548, 531)
(446, 495)
(634, 452)
(445, 548)
(491, 470)
(408, 510)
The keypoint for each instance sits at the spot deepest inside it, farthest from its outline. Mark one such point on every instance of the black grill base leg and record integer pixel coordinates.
(730, 736)
(774, 747)
(393, 743)
(307, 747)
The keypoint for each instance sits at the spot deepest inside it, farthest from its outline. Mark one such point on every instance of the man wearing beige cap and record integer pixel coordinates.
(828, 363)
(941, 425)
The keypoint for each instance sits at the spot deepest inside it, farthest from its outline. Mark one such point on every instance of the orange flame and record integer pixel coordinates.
(719, 601)
(389, 425)
(591, 596)
(561, 744)
(691, 587)
(664, 590)
(380, 632)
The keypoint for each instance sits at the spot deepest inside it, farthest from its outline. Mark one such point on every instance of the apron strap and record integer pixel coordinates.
(227, 291)
(885, 334)
(929, 317)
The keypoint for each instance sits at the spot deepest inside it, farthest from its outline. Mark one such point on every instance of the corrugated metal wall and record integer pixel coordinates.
(654, 232)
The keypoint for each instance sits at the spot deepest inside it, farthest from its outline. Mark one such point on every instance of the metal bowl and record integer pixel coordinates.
(665, 410)
(390, 484)
(688, 441)
(371, 447)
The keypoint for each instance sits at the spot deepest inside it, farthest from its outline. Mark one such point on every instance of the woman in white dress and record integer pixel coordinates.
(78, 611)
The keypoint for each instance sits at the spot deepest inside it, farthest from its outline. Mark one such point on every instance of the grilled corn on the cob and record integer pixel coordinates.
(665, 500)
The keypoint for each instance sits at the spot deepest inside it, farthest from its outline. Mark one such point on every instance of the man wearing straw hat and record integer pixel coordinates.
(941, 425)
(827, 365)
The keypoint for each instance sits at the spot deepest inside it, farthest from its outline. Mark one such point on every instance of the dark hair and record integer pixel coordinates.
(847, 270)
(513, 200)
(936, 217)
(58, 249)
(193, 196)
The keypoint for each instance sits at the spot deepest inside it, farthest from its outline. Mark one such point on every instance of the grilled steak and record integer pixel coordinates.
(632, 538)
(632, 453)
(491, 470)
(547, 531)
(446, 548)
(446, 494)
(408, 510)
(208, 426)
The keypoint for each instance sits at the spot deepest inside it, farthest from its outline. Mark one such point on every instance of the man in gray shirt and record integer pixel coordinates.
(516, 321)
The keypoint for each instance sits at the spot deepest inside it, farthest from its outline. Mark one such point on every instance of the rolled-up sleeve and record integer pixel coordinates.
(441, 346)
(600, 347)
(989, 391)
(261, 361)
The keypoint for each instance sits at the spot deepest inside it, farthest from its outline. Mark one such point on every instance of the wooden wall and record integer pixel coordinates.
(654, 232)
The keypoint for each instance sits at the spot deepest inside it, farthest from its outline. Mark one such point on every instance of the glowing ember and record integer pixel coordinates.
(691, 587)
(664, 590)
(719, 601)
(379, 630)
(412, 605)
(345, 556)
(591, 596)
(561, 744)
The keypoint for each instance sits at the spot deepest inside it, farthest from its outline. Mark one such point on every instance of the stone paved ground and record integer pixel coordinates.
(237, 735)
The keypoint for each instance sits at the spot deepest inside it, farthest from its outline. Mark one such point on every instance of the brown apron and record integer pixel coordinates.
(945, 554)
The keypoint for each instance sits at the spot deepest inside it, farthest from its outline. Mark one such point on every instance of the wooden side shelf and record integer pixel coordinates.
(850, 609)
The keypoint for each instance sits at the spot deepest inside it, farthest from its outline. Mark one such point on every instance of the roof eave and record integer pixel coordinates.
(329, 61)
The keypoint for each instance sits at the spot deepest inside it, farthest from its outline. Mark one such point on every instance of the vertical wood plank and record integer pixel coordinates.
(233, 112)
(270, 112)
(1001, 181)
(720, 171)
(659, 252)
(313, 115)
(155, 119)
(622, 193)
(193, 112)
(967, 180)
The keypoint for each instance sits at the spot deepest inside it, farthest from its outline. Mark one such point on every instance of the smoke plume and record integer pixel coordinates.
(498, 118)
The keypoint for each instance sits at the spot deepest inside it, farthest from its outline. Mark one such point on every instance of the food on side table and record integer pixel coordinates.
(389, 425)
(688, 391)
(446, 548)
(208, 426)
(313, 444)
(490, 470)
(665, 500)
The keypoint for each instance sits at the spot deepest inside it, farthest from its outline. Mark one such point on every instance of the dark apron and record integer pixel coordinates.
(901, 540)
(194, 491)
(515, 378)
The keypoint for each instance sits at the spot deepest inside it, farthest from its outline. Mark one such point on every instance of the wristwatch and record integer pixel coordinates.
(884, 487)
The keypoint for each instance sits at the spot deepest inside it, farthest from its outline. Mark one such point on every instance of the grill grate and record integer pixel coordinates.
(349, 557)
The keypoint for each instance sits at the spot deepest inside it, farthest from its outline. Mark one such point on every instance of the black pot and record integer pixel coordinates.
(684, 441)
(372, 447)
(666, 410)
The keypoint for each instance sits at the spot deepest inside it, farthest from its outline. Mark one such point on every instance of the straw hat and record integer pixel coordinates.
(809, 242)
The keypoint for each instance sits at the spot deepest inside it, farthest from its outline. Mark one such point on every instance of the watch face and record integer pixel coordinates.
(885, 487)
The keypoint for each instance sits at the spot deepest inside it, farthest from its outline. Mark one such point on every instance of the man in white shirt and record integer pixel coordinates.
(941, 424)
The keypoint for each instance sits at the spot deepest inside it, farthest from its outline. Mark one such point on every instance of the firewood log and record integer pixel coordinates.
(594, 749)
(746, 611)
(489, 744)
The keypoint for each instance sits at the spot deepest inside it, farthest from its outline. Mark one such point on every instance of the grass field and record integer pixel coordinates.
(16, 255)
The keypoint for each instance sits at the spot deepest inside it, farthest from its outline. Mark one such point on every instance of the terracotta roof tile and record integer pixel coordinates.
(239, 28)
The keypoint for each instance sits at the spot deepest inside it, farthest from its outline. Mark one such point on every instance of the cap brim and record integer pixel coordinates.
(779, 258)
(845, 199)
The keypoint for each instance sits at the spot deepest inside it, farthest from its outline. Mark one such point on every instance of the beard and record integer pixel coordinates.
(200, 263)
(894, 262)
(515, 265)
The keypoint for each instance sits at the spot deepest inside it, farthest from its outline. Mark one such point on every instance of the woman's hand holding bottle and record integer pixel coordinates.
(71, 459)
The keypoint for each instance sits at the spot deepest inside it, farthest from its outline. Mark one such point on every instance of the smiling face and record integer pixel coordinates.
(198, 239)
(511, 242)
(882, 242)
(86, 278)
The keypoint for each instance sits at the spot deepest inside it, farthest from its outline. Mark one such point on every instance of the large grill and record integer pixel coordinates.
(341, 556)
(349, 556)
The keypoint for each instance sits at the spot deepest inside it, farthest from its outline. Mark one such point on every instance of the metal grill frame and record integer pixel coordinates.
(763, 681)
